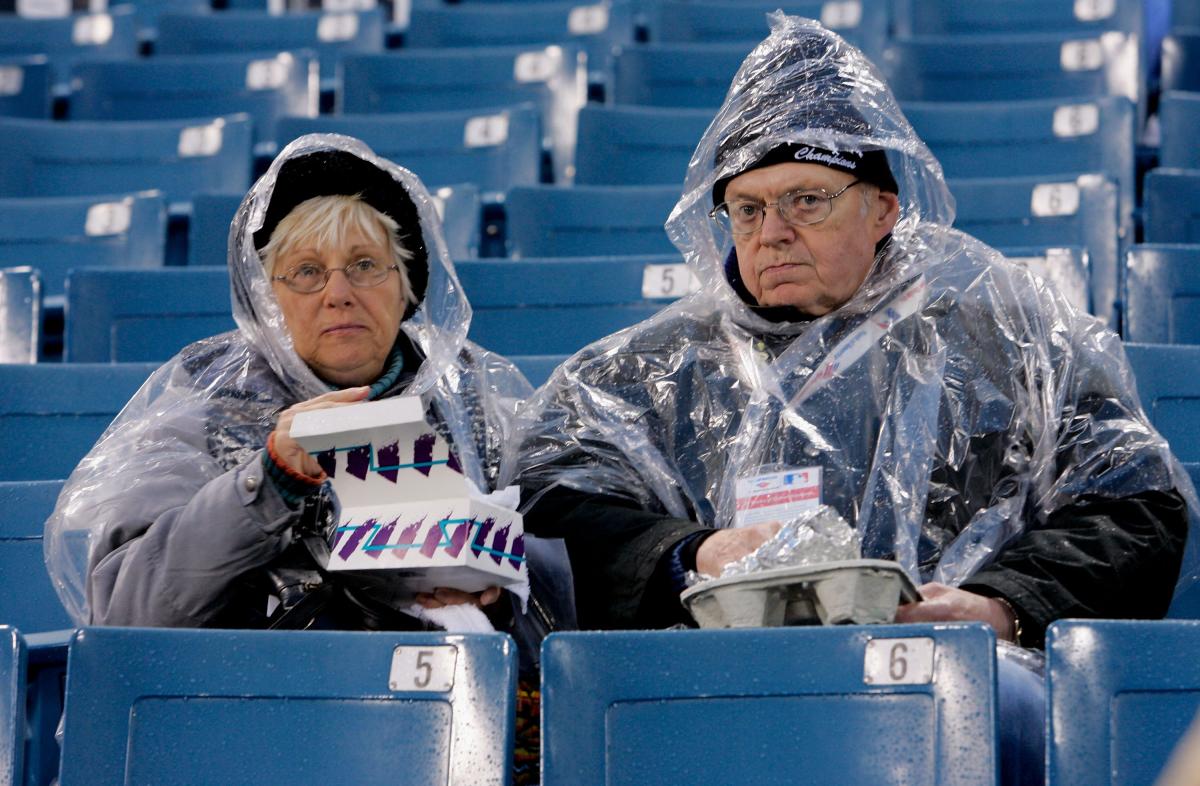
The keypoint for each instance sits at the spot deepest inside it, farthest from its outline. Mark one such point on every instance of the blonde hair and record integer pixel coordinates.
(324, 222)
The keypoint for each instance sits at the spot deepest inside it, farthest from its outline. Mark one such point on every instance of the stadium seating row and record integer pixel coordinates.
(779, 705)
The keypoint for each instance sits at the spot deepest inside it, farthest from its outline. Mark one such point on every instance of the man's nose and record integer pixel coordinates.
(774, 228)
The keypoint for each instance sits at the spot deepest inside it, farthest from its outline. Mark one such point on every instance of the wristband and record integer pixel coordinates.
(287, 470)
(1016, 619)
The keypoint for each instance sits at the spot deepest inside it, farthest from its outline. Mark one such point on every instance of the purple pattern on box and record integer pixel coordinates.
(485, 528)
(388, 456)
(358, 461)
(459, 538)
(518, 550)
(498, 544)
(423, 453)
(381, 538)
(407, 536)
(452, 462)
(328, 461)
(356, 538)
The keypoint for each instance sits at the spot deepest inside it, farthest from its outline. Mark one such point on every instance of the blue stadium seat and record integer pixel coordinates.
(299, 707)
(1007, 67)
(26, 506)
(1162, 294)
(598, 29)
(147, 12)
(1046, 138)
(461, 209)
(1172, 206)
(25, 87)
(863, 23)
(57, 234)
(433, 80)
(559, 221)
(1067, 267)
(46, 676)
(537, 368)
(178, 157)
(1168, 383)
(208, 229)
(20, 314)
(1181, 58)
(1120, 694)
(125, 316)
(68, 39)
(1179, 117)
(636, 145)
(556, 306)
(331, 36)
(771, 706)
(687, 75)
(52, 413)
(1185, 15)
(12, 706)
(493, 148)
(1031, 211)
(264, 86)
(942, 17)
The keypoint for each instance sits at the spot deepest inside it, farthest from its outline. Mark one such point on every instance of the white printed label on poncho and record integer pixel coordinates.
(777, 496)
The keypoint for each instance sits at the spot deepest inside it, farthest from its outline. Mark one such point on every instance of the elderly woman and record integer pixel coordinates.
(197, 508)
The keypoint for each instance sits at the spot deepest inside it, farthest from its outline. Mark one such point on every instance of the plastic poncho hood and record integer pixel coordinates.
(954, 403)
(206, 413)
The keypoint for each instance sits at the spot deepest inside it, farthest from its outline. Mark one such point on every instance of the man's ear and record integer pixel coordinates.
(885, 214)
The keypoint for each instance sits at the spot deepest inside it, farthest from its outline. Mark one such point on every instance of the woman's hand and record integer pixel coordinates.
(728, 545)
(949, 604)
(444, 596)
(287, 449)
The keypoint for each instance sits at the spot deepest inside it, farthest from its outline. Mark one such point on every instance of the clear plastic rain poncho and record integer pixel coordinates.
(953, 405)
(176, 451)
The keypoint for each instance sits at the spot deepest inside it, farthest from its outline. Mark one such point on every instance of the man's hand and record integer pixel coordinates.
(287, 449)
(728, 545)
(444, 596)
(948, 604)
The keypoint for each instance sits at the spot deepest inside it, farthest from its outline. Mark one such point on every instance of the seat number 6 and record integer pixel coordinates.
(899, 661)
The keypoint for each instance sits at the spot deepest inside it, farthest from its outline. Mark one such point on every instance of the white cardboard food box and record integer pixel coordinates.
(405, 504)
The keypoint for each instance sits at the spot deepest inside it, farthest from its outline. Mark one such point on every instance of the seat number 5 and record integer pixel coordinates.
(899, 661)
(428, 668)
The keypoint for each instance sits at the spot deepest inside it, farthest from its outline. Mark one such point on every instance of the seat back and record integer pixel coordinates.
(1168, 383)
(266, 87)
(1172, 206)
(1179, 117)
(1046, 138)
(125, 316)
(1067, 267)
(1007, 67)
(12, 705)
(636, 145)
(208, 228)
(1181, 58)
(1120, 694)
(25, 84)
(52, 413)
(69, 39)
(493, 148)
(557, 306)
(20, 314)
(1048, 212)
(781, 704)
(58, 234)
(330, 35)
(178, 157)
(678, 75)
(537, 368)
(939, 17)
(300, 707)
(864, 23)
(26, 506)
(596, 29)
(558, 221)
(1162, 294)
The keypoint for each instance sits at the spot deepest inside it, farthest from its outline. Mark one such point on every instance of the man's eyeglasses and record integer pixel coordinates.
(802, 208)
(308, 277)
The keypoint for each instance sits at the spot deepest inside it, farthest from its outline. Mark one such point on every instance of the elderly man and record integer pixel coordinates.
(959, 413)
